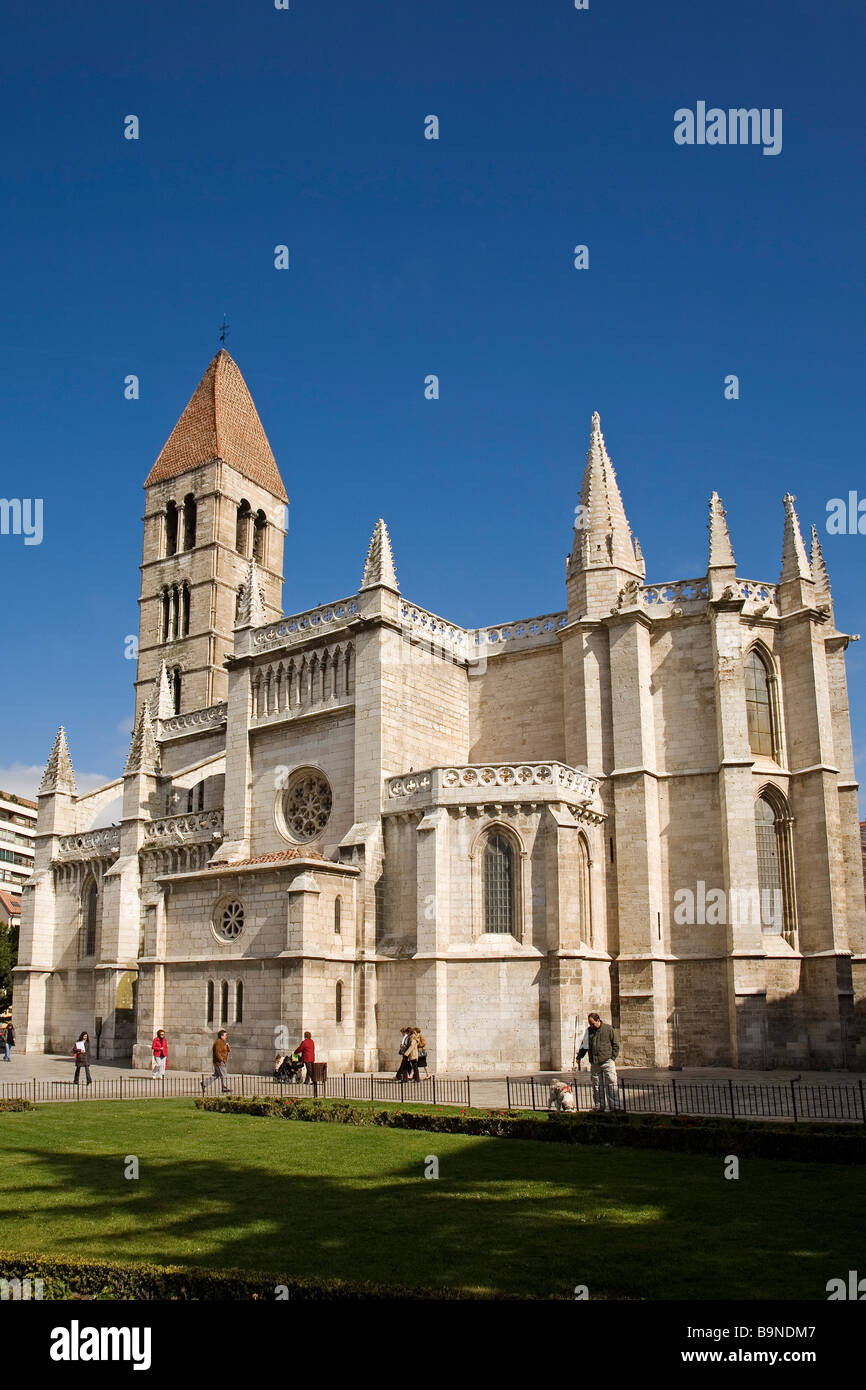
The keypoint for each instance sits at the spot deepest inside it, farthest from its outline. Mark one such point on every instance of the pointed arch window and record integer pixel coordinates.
(89, 911)
(184, 610)
(260, 528)
(338, 910)
(190, 513)
(338, 1002)
(776, 886)
(584, 890)
(171, 523)
(210, 1001)
(175, 682)
(762, 706)
(499, 884)
(224, 1002)
(239, 1002)
(242, 528)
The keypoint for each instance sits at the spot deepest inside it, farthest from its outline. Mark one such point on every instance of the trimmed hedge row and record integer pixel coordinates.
(676, 1134)
(18, 1103)
(70, 1279)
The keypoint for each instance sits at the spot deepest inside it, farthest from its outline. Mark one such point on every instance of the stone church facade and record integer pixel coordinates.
(364, 815)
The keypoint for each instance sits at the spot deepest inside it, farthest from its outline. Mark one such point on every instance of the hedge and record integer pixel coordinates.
(71, 1279)
(816, 1143)
(18, 1103)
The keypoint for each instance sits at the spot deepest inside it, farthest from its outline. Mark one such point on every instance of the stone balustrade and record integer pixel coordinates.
(315, 621)
(547, 781)
(757, 592)
(91, 844)
(212, 717)
(675, 594)
(692, 594)
(526, 632)
(195, 827)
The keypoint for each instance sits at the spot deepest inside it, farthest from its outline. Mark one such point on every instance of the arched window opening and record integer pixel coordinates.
(259, 533)
(239, 1002)
(224, 1002)
(499, 884)
(584, 889)
(190, 511)
(776, 888)
(242, 528)
(89, 910)
(239, 598)
(760, 706)
(175, 680)
(184, 610)
(171, 518)
(338, 1002)
(338, 912)
(165, 630)
(210, 1001)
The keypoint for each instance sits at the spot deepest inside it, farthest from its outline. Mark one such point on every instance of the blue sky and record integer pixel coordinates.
(409, 257)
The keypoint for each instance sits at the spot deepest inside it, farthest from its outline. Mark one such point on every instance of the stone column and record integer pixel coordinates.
(435, 876)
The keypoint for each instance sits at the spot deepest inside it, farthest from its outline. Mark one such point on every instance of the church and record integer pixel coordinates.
(365, 815)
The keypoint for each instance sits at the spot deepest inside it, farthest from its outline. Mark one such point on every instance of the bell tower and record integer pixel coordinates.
(214, 500)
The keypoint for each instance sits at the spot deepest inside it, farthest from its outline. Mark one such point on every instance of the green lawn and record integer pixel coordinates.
(506, 1215)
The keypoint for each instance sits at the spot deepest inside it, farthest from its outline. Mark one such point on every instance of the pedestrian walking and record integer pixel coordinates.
(10, 1040)
(410, 1056)
(159, 1047)
(404, 1068)
(81, 1053)
(306, 1052)
(422, 1058)
(220, 1053)
(601, 1043)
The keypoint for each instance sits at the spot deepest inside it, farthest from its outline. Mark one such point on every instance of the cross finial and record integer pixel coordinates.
(224, 331)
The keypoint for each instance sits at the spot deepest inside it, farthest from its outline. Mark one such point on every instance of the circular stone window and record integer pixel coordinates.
(305, 806)
(229, 921)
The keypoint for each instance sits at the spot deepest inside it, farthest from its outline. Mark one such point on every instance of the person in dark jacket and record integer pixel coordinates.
(81, 1053)
(10, 1040)
(601, 1042)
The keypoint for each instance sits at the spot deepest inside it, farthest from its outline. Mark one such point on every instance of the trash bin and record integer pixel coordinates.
(320, 1072)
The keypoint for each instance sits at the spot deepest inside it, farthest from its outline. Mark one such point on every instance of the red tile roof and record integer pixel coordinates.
(10, 905)
(280, 857)
(220, 421)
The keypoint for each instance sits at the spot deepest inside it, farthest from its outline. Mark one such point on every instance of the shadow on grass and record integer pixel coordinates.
(504, 1215)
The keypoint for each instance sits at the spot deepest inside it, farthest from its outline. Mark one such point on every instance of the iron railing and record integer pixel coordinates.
(777, 1100)
(434, 1090)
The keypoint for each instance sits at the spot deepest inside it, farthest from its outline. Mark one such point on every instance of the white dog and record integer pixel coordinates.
(561, 1097)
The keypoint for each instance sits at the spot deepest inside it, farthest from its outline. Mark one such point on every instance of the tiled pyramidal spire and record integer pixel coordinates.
(143, 750)
(602, 536)
(379, 565)
(818, 567)
(252, 609)
(220, 421)
(161, 702)
(59, 775)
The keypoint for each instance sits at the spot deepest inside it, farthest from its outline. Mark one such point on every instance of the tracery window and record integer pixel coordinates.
(499, 884)
(761, 706)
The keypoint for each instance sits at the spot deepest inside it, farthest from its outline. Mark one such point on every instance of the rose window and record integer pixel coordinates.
(307, 806)
(230, 923)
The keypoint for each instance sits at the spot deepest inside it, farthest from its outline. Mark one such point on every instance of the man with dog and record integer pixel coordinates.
(601, 1041)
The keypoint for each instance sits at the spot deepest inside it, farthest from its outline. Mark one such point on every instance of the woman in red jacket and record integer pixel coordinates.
(160, 1053)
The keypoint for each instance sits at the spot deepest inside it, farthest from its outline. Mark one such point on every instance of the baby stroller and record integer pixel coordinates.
(289, 1069)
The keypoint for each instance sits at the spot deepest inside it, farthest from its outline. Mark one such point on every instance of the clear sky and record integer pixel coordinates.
(410, 256)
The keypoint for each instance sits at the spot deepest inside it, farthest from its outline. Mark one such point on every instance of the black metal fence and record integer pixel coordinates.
(774, 1100)
(362, 1086)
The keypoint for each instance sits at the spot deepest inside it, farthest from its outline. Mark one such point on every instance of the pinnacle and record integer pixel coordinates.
(606, 538)
(252, 608)
(795, 564)
(819, 570)
(143, 749)
(59, 775)
(721, 550)
(161, 702)
(379, 565)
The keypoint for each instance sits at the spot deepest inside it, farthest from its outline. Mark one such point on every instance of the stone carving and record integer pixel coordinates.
(307, 805)
(302, 624)
(213, 716)
(508, 775)
(185, 829)
(93, 844)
